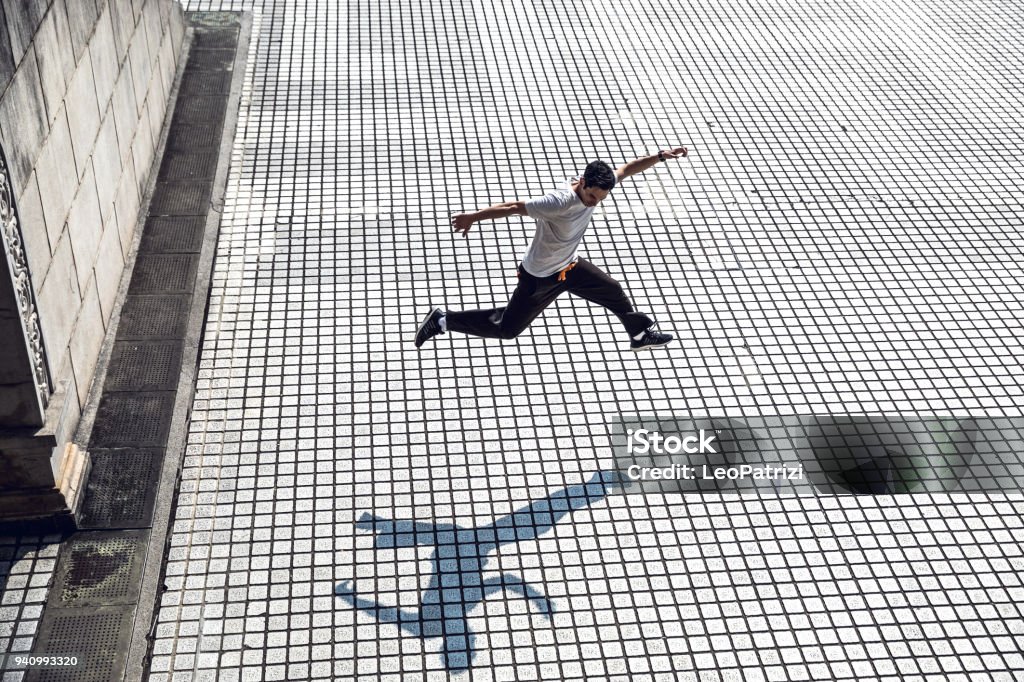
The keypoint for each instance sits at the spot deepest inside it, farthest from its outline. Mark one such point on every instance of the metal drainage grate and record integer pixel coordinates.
(211, 60)
(192, 164)
(181, 198)
(185, 137)
(205, 39)
(174, 234)
(122, 488)
(205, 82)
(144, 366)
(199, 111)
(158, 273)
(100, 637)
(99, 569)
(153, 316)
(126, 419)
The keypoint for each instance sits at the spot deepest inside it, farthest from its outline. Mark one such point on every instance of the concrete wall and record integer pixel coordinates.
(84, 88)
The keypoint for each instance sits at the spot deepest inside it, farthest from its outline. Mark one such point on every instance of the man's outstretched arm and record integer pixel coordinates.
(461, 222)
(642, 164)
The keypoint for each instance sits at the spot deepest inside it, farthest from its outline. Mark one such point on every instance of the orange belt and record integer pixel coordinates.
(561, 273)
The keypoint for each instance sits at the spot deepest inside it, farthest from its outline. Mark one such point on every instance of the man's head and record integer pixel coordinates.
(598, 181)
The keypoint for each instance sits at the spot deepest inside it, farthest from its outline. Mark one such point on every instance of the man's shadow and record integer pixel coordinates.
(457, 584)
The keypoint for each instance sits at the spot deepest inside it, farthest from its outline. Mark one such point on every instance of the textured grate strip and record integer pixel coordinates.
(163, 273)
(190, 164)
(211, 60)
(198, 111)
(173, 234)
(121, 488)
(97, 569)
(153, 316)
(205, 83)
(186, 137)
(180, 198)
(142, 366)
(127, 419)
(99, 635)
(214, 39)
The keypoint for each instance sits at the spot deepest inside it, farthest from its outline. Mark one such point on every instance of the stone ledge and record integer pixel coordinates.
(51, 508)
(42, 474)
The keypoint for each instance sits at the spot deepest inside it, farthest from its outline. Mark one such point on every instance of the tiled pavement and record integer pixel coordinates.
(26, 567)
(844, 237)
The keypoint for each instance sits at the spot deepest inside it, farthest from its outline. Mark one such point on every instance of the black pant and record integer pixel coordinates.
(533, 294)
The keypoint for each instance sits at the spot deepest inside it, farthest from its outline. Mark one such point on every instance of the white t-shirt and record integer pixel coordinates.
(562, 218)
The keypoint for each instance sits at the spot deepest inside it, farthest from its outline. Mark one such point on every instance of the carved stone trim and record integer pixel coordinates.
(14, 249)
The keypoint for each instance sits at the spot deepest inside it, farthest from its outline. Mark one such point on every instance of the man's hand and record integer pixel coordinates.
(461, 222)
(642, 164)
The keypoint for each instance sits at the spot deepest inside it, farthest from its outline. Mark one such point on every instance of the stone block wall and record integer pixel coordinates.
(84, 88)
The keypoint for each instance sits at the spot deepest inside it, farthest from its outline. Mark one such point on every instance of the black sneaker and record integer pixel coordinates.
(429, 327)
(650, 339)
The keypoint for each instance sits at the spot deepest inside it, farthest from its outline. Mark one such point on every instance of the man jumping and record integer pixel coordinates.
(551, 265)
